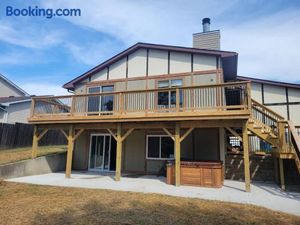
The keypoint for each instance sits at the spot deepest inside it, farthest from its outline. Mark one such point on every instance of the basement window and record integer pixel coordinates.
(160, 147)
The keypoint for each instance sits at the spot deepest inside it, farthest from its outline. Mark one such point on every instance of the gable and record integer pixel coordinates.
(149, 60)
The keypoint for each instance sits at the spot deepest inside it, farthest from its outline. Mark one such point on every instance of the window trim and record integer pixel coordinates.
(101, 91)
(160, 136)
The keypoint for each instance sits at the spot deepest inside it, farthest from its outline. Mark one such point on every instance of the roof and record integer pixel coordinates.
(12, 100)
(230, 66)
(271, 82)
(13, 85)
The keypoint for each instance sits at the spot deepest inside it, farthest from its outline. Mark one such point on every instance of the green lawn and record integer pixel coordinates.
(18, 154)
(33, 204)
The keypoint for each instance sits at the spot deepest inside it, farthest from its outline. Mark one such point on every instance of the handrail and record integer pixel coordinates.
(190, 99)
(145, 90)
(268, 109)
(294, 139)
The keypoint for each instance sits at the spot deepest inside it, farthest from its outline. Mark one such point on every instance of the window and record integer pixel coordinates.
(167, 99)
(101, 103)
(160, 147)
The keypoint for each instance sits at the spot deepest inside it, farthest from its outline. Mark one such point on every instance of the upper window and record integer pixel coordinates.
(167, 99)
(102, 102)
(160, 147)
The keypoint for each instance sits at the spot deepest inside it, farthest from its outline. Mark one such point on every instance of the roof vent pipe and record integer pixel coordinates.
(206, 24)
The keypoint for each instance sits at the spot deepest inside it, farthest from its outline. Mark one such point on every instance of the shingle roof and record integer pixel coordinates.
(232, 56)
(13, 99)
(13, 85)
(271, 82)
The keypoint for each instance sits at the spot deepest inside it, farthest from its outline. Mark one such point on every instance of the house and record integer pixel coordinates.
(15, 103)
(164, 110)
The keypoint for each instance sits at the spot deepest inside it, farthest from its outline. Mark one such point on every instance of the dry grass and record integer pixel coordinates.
(32, 204)
(18, 154)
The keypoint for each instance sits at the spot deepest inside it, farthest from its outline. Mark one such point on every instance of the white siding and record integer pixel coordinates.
(256, 93)
(101, 75)
(274, 94)
(180, 62)
(137, 63)
(204, 62)
(205, 79)
(157, 62)
(118, 70)
(295, 114)
(280, 109)
(294, 95)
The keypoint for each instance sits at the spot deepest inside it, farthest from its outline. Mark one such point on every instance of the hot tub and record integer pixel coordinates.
(199, 173)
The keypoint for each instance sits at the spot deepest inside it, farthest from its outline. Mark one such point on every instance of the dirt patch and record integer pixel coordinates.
(33, 204)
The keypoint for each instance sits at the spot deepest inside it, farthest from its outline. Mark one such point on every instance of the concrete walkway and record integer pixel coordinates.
(262, 194)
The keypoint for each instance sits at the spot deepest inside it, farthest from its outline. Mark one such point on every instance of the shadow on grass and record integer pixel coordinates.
(140, 212)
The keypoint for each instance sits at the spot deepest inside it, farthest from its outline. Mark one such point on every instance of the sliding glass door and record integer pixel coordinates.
(100, 153)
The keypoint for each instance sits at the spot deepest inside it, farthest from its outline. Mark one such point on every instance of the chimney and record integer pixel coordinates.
(207, 39)
(206, 24)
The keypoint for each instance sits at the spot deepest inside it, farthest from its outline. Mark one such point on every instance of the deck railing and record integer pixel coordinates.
(193, 99)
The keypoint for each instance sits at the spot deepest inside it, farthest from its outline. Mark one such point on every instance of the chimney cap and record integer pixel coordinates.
(205, 20)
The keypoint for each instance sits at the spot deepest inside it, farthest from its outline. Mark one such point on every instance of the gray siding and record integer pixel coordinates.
(7, 90)
(18, 113)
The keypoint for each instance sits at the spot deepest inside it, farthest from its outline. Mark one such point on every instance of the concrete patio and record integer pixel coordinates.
(262, 194)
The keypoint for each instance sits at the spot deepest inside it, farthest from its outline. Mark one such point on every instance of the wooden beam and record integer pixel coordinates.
(126, 134)
(177, 154)
(42, 134)
(168, 133)
(78, 134)
(234, 133)
(70, 151)
(64, 133)
(281, 174)
(186, 134)
(112, 134)
(119, 152)
(246, 157)
(35, 142)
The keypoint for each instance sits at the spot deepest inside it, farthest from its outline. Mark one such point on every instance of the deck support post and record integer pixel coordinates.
(246, 157)
(177, 154)
(119, 152)
(35, 142)
(281, 173)
(70, 151)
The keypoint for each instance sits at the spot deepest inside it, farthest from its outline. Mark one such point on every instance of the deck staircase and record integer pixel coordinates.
(275, 130)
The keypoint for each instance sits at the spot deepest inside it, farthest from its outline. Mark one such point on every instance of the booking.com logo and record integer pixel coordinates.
(42, 12)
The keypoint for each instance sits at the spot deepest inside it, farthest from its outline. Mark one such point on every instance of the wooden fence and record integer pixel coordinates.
(20, 135)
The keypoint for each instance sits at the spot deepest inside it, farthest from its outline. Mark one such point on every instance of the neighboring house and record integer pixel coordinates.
(15, 109)
(154, 107)
(8, 88)
(14, 102)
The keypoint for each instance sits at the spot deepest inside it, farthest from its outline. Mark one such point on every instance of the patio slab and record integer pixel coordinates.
(262, 194)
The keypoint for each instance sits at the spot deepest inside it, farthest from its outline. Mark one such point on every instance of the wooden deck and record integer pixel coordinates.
(209, 102)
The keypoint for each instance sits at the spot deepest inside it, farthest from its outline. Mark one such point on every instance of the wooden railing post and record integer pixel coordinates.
(72, 105)
(248, 85)
(121, 107)
(177, 100)
(32, 109)
(282, 144)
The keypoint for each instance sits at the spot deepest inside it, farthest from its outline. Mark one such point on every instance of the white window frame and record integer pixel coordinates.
(159, 136)
(170, 106)
(101, 91)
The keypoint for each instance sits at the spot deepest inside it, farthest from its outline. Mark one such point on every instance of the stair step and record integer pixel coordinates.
(257, 126)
